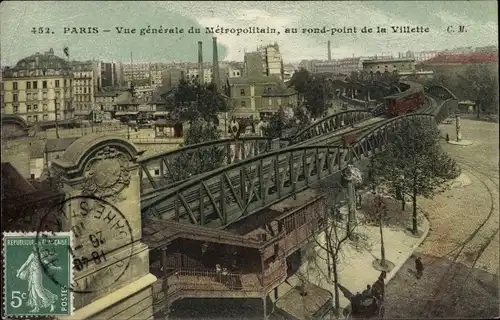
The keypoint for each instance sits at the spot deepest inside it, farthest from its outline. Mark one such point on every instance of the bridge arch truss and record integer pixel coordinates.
(221, 197)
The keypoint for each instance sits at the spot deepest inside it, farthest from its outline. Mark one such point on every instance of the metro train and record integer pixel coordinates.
(403, 102)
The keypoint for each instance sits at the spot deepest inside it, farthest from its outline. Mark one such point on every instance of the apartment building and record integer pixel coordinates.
(38, 88)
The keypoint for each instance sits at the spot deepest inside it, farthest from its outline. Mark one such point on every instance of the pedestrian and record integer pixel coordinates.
(419, 266)
(359, 199)
(447, 137)
(368, 291)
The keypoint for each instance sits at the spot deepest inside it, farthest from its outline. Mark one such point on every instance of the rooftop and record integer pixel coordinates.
(255, 79)
(43, 61)
(13, 183)
(377, 61)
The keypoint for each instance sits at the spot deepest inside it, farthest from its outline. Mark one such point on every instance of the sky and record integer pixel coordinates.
(18, 18)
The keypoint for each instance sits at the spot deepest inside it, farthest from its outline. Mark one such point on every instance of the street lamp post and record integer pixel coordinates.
(56, 117)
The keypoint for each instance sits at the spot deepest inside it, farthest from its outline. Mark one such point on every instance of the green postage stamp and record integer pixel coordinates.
(38, 271)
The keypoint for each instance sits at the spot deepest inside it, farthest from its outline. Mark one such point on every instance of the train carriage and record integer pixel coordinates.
(406, 101)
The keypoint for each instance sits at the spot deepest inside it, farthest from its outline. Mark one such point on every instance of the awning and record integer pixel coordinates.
(121, 113)
(132, 113)
(82, 112)
(161, 113)
(165, 123)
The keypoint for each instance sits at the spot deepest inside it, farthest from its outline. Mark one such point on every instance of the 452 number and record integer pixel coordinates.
(41, 30)
(16, 299)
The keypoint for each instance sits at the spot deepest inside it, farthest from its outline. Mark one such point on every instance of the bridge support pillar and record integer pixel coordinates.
(100, 179)
(351, 205)
(457, 124)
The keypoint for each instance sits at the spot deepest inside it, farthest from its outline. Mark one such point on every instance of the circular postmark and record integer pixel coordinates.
(102, 241)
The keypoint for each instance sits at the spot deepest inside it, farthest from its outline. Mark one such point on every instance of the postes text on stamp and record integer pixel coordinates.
(28, 289)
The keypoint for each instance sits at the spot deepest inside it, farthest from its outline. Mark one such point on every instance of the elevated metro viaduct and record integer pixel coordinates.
(229, 202)
(215, 217)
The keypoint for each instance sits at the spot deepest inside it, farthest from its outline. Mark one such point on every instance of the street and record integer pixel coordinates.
(460, 254)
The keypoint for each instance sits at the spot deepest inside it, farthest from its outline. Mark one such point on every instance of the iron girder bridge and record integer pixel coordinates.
(167, 170)
(155, 190)
(223, 196)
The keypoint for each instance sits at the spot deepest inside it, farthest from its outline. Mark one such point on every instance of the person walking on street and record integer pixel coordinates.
(420, 267)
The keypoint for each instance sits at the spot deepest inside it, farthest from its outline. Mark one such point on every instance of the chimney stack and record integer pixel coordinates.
(200, 63)
(329, 51)
(215, 67)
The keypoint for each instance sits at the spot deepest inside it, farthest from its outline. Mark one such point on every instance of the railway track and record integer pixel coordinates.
(459, 254)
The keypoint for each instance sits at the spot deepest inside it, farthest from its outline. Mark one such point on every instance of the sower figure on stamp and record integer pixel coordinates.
(31, 270)
(420, 267)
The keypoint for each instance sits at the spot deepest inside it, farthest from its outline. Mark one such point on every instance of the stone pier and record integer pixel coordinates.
(102, 190)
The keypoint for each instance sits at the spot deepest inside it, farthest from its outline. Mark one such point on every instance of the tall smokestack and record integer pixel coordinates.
(200, 62)
(329, 51)
(215, 67)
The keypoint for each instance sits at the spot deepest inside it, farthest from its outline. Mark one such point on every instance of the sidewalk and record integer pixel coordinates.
(355, 269)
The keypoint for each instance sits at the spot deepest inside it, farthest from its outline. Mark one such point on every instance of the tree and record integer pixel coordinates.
(480, 83)
(299, 82)
(377, 213)
(315, 97)
(415, 163)
(324, 259)
(354, 77)
(191, 164)
(198, 101)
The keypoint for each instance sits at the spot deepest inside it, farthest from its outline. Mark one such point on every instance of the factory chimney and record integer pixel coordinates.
(200, 63)
(329, 51)
(215, 66)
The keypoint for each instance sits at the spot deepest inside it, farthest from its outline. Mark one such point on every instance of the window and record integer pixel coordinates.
(84, 90)
(29, 119)
(35, 85)
(243, 104)
(270, 101)
(14, 85)
(45, 117)
(35, 107)
(44, 84)
(28, 85)
(57, 83)
(15, 109)
(35, 118)
(45, 107)
(28, 107)
(242, 92)
(14, 97)
(157, 172)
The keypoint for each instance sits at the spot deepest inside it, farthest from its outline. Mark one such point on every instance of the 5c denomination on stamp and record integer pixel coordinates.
(37, 274)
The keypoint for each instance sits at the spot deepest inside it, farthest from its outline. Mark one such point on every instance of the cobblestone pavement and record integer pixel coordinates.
(461, 251)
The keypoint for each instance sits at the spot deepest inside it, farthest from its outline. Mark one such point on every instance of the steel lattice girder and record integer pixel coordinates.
(331, 123)
(441, 92)
(223, 196)
(176, 166)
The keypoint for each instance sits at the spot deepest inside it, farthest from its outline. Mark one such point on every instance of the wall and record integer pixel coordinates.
(17, 152)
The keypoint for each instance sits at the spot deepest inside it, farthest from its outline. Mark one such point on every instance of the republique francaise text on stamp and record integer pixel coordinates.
(37, 274)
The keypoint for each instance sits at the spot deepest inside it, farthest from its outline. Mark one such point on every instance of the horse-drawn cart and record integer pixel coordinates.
(369, 304)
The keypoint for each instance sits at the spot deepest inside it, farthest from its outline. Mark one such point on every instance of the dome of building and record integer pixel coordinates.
(42, 61)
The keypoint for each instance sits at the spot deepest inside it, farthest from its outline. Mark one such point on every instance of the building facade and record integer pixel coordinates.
(172, 76)
(253, 66)
(136, 71)
(39, 88)
(83, 86)
(255, 95)
(393, 65)
(272, 61)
